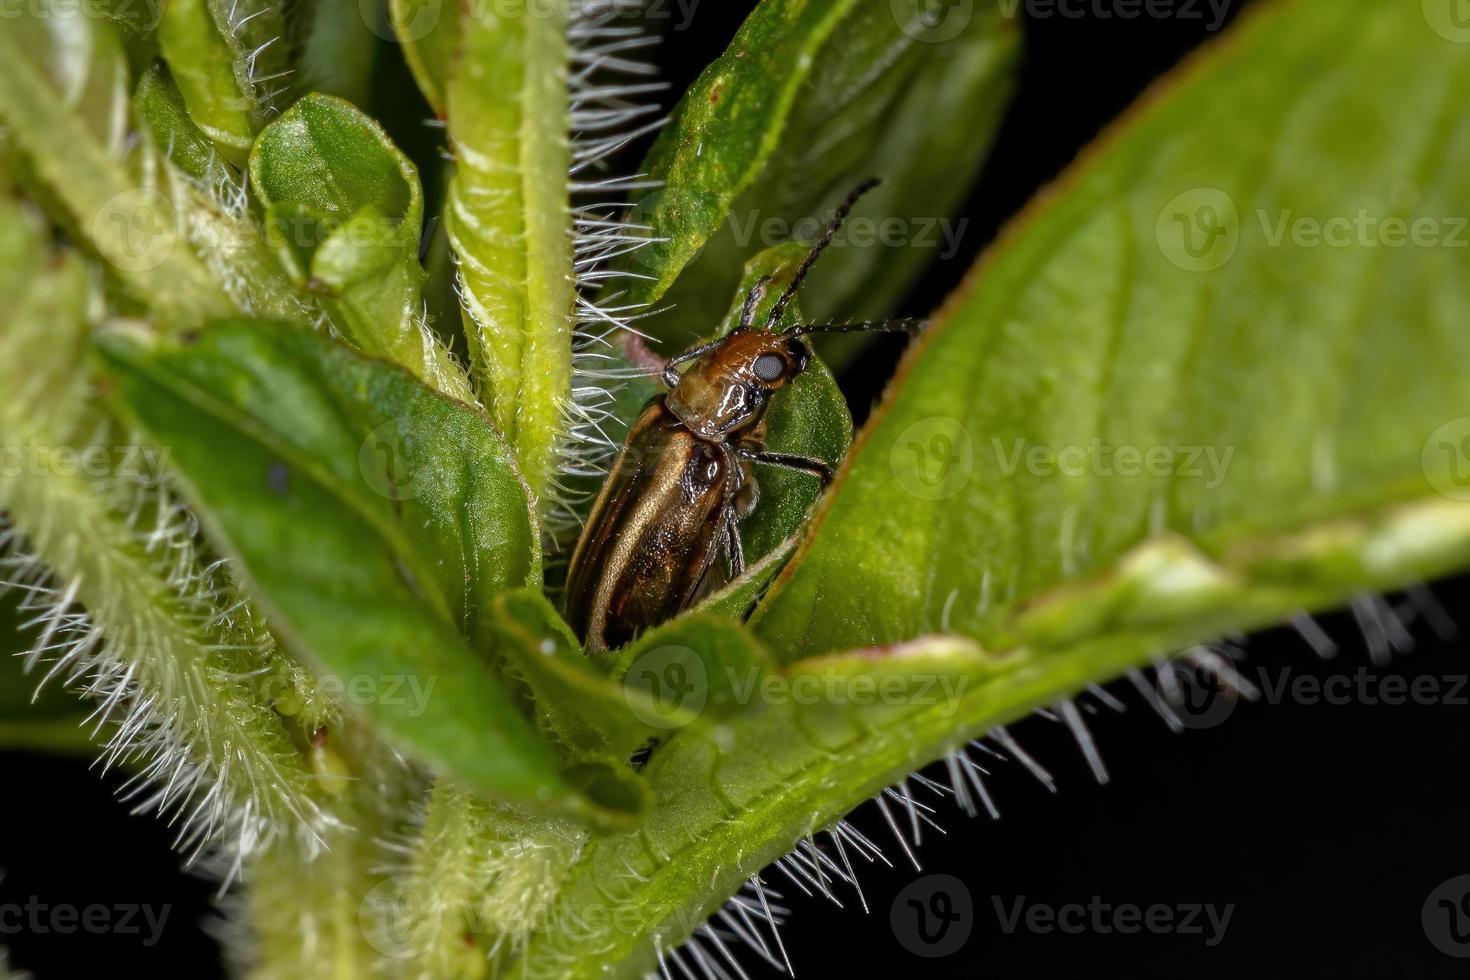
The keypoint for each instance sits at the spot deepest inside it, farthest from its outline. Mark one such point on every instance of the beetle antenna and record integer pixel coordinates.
(843, 209)
(757, 293)
(908, 325)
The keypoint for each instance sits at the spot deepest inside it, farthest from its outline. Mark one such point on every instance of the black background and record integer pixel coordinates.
(1325, 826)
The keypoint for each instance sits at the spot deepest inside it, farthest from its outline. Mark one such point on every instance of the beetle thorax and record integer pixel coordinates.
(727, 391)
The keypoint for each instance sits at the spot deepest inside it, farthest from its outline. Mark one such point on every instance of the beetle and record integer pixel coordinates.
(685, 477)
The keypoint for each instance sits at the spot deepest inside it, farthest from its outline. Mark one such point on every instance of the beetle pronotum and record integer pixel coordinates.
(673, 501)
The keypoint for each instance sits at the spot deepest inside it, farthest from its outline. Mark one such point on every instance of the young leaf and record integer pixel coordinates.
(809, 100)
(64, 92)
(345, 208)
(160, 106)
(509, 221)
(700, 667)
(376, 520)
(1074, 425)
(188, 252)
(230, 61)
(198, 56)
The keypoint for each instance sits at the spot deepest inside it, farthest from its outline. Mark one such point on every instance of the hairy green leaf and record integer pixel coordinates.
(809, 100)
(1083, 396)
(230, 61)
(198, 55)
(63, 90)
(345, 210)
(1095, 317)
(376, 519)
(811, 742)
(509, 221)
(75, 490)
(183, 248)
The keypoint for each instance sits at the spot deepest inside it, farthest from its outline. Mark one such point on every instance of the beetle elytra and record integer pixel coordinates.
(672, 503)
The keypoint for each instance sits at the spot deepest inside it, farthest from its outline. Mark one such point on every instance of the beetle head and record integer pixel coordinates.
(728, 389)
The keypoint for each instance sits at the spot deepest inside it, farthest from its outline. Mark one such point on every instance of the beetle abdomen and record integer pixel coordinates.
(654, 535)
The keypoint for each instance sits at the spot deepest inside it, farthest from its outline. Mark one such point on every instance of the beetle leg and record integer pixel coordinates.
(734, 550)
(798, 464)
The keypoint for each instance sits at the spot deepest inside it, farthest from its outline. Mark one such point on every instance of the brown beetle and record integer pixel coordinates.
(674, 498)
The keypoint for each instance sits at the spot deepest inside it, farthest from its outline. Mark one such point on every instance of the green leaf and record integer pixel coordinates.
(376, 520)
(1091, 320)
(700, 667)
(1074, 427)
(345, 211)
(815, 740)
(199, 56)
(90, 524)
(230, 60)
(64, 90)
(179, 248)
(429, 36)
(160, 106)
(339, 51)
(509, 221)
(578, 703)
(809, 100)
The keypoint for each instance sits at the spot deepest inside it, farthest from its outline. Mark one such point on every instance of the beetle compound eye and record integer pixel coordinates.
(769, 367)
